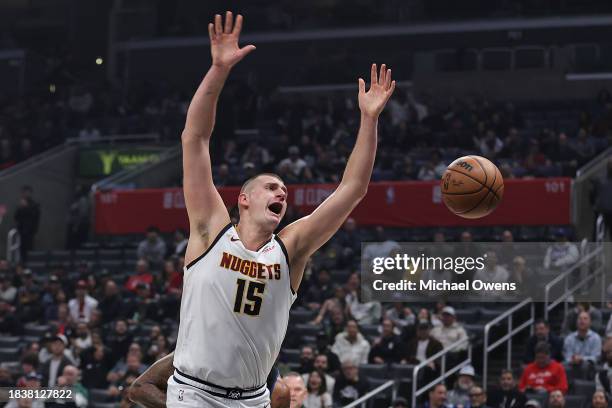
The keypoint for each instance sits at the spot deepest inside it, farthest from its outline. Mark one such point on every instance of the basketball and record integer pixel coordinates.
(472, 187)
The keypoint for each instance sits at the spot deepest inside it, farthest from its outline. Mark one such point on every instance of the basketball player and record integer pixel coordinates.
(241, 280)
(149, 390)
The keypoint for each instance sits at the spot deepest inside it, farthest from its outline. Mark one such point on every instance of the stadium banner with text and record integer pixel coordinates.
(98, 162)
(484, 271)
(392, 204)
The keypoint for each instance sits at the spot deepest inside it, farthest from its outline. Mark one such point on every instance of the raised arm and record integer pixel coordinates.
(308, 234)
(207, 213)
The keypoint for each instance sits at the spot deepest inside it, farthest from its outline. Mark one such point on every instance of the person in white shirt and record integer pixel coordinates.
(351, 345)
(492, 273)
(82, 306)
(562, 254)
(321, 364)
(450, 331)
(318, 396)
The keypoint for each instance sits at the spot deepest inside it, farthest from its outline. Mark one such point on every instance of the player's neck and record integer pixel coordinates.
(251, 236)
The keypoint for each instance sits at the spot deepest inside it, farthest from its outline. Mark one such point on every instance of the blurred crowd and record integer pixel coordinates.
(98, 330)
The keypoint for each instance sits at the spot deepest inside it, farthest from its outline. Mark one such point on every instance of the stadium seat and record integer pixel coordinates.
(582, 387)
(9, 341)
(301, 316)
(290, 355)
(575, 401)
(307, 329)
(467, 315)
(374, 370)
(402, 371)
(9, 354)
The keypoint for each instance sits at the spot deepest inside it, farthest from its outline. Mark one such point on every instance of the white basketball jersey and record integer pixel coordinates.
(234, 312)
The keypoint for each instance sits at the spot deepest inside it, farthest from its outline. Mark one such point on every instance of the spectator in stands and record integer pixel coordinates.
(422, 346)
(6, 378)
(178, 246)
(349, 385)
(33, 382)
(507, 394)
(29, 365)
(70, 378)
(544, 374)
(82, 305)
(604, 376)
(78, 219)
(81, 339)
(297, 388)
(362, 312)
(152, 248)
(492, 272)
(432, 169)
(28, 296)
(541, 329)
(436, 397)
(55, 366)
(96, 364)
(331, 364)
(119, 341)
(296, 165)
(351, 344)
(401, 315)
(8, 292)
(603, 198)
(318, 395)
(27, 220)
(347, 242)
(582, 348)
(478, 397)
(490, 145)
(387, 348)
(562, 254)
(322, 366)
(450, 331)
(132, 366)
(556, 399)
(143, 276)
(459, 396)
(158, 349)
(571, 318)
(306, 360)
(319, 292)
(599, 400)
(111, 304)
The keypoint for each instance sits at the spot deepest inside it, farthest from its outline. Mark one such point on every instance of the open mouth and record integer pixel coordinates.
(276, 208)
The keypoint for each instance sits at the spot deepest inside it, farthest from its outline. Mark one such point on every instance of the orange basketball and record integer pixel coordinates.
(472, 187)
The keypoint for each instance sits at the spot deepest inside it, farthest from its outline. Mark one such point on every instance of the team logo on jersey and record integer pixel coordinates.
(251, 269)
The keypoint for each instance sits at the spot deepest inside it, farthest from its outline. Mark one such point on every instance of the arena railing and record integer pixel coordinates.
(364, 399)
(507, 338)
(13, 245)
(444, 372)
(583, 269)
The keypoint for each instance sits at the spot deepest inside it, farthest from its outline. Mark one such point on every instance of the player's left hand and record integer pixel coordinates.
(224, 41)
(374, 100)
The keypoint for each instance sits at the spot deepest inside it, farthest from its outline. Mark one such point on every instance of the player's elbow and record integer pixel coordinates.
(134, 391)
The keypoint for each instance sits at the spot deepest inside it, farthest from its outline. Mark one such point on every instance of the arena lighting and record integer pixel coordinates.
(99, 61)
(52, 88)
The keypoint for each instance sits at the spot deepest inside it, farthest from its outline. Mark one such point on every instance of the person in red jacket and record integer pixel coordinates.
(544, 374)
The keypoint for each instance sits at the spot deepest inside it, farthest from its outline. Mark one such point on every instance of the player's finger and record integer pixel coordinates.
(390, 91)
(388, 79)
(211, 31)
(238, 25)
(373, 75)
(218, 25)
(246, 50)
(229, 20)
(361, 85)
(382, 74)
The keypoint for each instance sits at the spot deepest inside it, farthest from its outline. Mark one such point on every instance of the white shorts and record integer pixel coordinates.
(183, 393)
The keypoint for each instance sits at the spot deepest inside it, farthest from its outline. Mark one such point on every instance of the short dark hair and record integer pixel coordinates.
(506, 371)
(433, 387)
(249, 181)
(323, 387)
(541, 321)
(542, 348)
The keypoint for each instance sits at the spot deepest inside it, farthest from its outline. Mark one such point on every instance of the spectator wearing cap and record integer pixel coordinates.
(541, 332)
(152, 248)
(321, 364)
(506, 395)
(556, 399)
(459, 396)
(599, 400)
(8, 292)
(450, 331)
(318, 396)
(55, 366)
(422, 346)
(582, 348)
(478, 397)
(82, 305)
(544, 374)
(562, 254)
(142, 276)
(351, 345)
(349, 385)
(387, 348)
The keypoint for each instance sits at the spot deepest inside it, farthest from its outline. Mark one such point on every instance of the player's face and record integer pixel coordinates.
(267, 201)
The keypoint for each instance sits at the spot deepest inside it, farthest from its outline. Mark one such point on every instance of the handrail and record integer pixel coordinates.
(507, 337)
(568, 291)
(362, 400)
(585, 170)
(416, 392)
(13, 244)
(36, 159)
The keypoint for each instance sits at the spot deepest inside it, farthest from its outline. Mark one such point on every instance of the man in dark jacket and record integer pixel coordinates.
(349, 386)
(386, 349)
(507, 394)
(542, 333)
(27, 218)
(53, 368)
(422, 346)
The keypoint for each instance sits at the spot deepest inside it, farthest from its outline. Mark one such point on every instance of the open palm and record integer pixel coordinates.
(374, 100)
(224, 41)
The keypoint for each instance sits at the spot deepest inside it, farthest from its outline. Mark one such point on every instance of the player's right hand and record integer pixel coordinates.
(224, 41)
